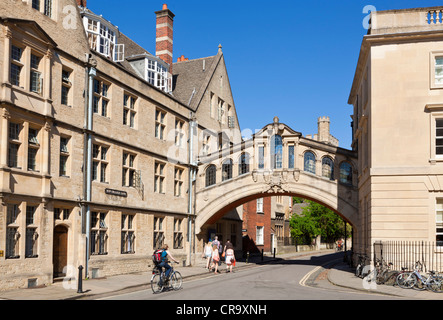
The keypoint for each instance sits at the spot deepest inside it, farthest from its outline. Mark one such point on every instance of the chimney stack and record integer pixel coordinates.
(81, 3)
(164, 35)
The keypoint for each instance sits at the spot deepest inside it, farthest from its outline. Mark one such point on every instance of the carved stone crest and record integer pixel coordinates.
(276, 182)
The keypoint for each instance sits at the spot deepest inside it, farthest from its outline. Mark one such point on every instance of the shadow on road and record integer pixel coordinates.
(312, 260)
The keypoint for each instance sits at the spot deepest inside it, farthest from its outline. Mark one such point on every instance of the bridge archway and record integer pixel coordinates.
(277, 167)
(214, 204)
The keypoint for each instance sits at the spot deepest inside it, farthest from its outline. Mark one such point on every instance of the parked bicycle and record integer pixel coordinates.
(405, 280)
(360, 270)
(417, 281)
(382, 271)
(391, 277)
(159, 282)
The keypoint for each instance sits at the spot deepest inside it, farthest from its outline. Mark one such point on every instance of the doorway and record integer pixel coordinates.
(60, 252)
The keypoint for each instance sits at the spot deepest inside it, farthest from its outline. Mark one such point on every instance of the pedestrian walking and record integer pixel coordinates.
(217, 243)
(208, 254)
(229, 256)
(220, 253)
(227, 244)
(215, 258)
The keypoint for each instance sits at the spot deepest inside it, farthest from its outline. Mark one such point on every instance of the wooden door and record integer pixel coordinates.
(60, 251)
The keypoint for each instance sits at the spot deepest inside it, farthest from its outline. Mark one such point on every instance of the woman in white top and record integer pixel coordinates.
(208, 253)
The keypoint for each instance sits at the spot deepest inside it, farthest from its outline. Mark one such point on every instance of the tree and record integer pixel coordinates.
(316, 220)
(303, 229)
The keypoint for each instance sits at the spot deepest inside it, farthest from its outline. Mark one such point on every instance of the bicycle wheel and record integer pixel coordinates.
(436, 284)
(155, 284)
(382, 277)
(418, 283)
(176, 280)
(390, 278)
(405, 280)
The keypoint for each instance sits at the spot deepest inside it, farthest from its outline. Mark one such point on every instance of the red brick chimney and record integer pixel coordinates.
(164, 35)
(81, 3)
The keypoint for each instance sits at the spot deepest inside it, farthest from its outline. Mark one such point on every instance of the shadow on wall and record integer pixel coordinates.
(250, 246)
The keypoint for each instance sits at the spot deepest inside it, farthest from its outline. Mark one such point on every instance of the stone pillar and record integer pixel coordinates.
(4, 168)
(6, 87)
(46, 152)
(4, 139)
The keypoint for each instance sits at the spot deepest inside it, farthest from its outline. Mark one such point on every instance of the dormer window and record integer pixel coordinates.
(152, 69)
(157, 74)
(102, 37)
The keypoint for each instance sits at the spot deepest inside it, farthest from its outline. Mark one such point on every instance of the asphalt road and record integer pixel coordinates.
(287, 280)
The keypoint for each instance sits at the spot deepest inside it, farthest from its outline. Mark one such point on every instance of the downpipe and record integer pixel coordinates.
(92, 74)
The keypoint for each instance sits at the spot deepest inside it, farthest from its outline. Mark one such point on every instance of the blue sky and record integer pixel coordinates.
(291, 59)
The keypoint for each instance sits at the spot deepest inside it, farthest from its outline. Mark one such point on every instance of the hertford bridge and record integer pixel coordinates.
(276, 161)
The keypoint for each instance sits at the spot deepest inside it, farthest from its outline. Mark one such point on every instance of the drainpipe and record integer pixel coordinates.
(92, 74)
(192, 164)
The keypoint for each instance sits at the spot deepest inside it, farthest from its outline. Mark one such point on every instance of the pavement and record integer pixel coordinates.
(337, 274)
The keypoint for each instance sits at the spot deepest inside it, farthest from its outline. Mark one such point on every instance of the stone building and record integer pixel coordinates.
(100, 140)
(397, 128)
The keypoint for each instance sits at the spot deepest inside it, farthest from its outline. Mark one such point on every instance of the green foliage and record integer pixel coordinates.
(316, 220)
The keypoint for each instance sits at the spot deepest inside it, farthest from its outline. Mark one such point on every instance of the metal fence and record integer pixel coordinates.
(407, 253)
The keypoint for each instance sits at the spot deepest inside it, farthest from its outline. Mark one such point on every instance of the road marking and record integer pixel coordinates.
(306, 277)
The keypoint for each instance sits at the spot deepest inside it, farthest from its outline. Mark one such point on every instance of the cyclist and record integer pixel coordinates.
(164, 262)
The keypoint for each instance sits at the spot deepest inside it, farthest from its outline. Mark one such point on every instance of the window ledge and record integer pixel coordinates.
(435, 160)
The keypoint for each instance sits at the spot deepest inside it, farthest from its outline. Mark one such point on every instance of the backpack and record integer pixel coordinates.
(157, 256)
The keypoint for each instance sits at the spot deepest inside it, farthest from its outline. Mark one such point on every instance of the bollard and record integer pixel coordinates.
(80, 279)
(261, 254)
(274, 252)
(247, 257)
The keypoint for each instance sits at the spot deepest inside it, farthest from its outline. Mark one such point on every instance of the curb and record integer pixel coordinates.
(358, 288)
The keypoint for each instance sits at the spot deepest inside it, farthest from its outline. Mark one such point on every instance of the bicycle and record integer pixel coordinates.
(379, 272)
(361, 266)
(159, 282)
(405, 280)
(339, 247)
(382, 271)
(417, 281)
(391, 277)
(431, 282)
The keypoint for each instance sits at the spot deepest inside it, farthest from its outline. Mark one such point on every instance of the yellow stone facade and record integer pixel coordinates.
(140, 190)
(397, 104)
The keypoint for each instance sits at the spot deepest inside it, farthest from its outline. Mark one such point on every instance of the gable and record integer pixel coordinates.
(189, 78)
(276, 128)
(30, 29)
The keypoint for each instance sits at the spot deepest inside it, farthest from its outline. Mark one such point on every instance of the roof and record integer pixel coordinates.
(189, 78)
(131, 49)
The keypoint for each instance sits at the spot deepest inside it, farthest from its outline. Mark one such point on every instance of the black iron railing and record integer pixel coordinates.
(407, 253)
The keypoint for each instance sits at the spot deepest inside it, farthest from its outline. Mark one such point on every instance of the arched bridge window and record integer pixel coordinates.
(328, 168)
(346, 173)
(243, 164)
(309, 162)
(227, 170)
(276, 152)
(210, 175)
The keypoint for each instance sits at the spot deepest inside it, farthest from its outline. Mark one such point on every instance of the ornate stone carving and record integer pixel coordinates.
(6, 115)
(276, 182)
